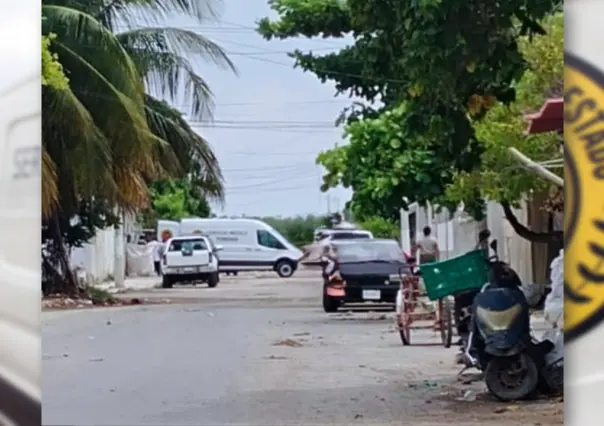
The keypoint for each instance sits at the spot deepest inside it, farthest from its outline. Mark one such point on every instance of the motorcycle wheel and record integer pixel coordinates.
(512, 378)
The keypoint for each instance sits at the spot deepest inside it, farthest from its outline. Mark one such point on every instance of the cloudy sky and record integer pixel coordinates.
(271, 121)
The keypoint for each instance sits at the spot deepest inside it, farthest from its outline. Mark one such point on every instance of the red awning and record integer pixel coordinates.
(550, 118)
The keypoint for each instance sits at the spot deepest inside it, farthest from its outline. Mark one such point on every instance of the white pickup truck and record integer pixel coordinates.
(191, 259)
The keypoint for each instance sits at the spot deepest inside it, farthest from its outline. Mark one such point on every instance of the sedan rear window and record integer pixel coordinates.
(349, 235)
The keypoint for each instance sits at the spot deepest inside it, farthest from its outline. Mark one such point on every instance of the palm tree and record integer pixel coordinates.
(104, 138)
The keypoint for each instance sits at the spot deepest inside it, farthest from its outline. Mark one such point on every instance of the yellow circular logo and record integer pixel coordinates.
(584, 197)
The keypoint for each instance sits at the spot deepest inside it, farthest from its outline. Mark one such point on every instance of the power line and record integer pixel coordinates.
(280, 179)
(266, 168)
(269, 123)
(326, 71)
(292, 130)
(275, 190)
(293, 154)
(307, 102)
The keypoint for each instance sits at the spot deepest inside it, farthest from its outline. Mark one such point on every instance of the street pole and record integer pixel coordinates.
(119, 254)
(538, 169)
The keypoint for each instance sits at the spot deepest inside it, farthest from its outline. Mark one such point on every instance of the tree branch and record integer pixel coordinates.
(524, 232)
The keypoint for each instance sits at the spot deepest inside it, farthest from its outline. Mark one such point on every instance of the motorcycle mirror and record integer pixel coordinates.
(494, 245)
(484, 235)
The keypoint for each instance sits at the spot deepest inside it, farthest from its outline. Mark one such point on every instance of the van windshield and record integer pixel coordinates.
(277, 234)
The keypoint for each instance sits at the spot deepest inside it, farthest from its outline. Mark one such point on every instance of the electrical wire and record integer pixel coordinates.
(266, 168)
(293, 154)
(281, 179)
(313, 124)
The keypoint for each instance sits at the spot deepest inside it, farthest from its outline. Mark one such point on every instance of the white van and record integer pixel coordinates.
(247, 244)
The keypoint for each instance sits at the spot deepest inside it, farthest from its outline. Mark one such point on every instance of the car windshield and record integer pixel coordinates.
(369, 251)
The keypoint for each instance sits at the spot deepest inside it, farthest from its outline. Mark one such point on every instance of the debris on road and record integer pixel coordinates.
(468, 396)
(288, 342)
(56, 302)
(276, 357)
(304, 333)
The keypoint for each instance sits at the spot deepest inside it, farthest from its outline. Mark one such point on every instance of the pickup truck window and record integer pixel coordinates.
(194, 243)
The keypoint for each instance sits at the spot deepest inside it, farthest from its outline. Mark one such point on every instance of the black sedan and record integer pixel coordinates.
(370, 271)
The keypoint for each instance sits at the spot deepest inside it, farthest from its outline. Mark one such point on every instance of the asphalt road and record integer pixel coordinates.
(253, 351)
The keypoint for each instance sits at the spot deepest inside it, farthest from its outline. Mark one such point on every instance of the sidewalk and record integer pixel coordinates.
(132, 283)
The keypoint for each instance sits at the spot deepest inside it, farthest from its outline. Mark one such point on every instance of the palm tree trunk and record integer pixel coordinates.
(60, 279)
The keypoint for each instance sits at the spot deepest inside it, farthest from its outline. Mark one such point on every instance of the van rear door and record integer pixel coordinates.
(188, 253)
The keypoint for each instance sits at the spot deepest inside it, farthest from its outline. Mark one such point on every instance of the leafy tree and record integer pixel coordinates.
(174, 199)
(298, 230)
(500, 177)
(52, 71)
(381, 228)
(104, 138)
(434, 66)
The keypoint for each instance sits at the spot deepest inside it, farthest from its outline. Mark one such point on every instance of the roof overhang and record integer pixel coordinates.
(550, 118)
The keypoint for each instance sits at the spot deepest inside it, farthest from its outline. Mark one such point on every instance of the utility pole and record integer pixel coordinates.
(119, 254)
(328, 204)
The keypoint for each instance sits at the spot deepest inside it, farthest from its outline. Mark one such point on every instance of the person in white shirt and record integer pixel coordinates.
(426, 247)
(156, 249)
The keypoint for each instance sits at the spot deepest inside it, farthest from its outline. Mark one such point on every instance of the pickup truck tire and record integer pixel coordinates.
(213, 280)
(285, 268)
(166, 282)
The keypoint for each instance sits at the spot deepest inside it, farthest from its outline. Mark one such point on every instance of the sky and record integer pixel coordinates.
(269, 167)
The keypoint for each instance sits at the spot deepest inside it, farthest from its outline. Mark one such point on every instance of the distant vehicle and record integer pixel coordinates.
(248, 244)
(190, 259)
(370, 270)
(352, 234)
(341, 231)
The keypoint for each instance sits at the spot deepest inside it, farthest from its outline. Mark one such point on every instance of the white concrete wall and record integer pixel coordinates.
(459, 234)
(98, 258)
(513, 249)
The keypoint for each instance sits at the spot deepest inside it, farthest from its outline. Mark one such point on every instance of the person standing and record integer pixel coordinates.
(312, 252)
(156, 252)
(427, 247)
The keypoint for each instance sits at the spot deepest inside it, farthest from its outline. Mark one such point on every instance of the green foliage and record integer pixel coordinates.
(52, 70)
(104, 137)
(298, 230)
(381, 228)
(436, 66)
(500, 176)
(174, 199)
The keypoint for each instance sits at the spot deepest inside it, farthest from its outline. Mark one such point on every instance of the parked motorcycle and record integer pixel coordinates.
(500, 342)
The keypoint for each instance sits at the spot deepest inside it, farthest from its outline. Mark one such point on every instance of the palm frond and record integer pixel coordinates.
(50, 187)
(187, 149)
(78, 151)
(162, 56)
(134, 13)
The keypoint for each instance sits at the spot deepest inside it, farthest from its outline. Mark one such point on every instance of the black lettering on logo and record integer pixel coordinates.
(26, 162)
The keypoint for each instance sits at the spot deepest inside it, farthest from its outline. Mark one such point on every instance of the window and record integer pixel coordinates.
(348, 235)
(266, 239)
(196, 244)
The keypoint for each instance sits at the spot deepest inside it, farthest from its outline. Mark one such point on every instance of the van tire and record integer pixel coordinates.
(166, 282)
(213, 280)
(285, 268)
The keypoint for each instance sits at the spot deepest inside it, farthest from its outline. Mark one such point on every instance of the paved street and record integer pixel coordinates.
(254, 351)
